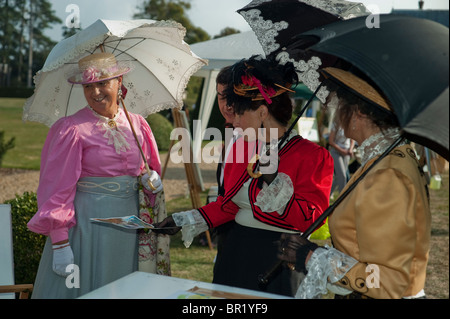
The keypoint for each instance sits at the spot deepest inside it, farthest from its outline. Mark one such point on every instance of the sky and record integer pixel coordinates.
(211, 15)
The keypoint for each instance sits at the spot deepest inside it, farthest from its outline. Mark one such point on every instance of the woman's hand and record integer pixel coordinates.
(295, 250)
(167, 227)
(155, 180)
(62, 257)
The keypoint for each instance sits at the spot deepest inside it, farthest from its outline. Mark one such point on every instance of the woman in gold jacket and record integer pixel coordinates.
(381, 230)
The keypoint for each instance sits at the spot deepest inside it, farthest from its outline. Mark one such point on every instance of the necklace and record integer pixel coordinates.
(112, 123)
(114, 132)
(268, 148)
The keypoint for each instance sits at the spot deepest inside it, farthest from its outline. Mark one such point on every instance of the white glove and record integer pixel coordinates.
(62, 257)
(154, 179)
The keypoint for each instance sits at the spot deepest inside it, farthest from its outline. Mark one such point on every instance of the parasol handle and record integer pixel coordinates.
(147, 168)
(139, 145)
(265, 278)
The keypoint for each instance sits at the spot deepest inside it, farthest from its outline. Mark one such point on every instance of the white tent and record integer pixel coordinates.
(220, 52)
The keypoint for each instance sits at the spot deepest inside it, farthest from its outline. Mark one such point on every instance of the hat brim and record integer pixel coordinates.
(357, 86)
(76, 78)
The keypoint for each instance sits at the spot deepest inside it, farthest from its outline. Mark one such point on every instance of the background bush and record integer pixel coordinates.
(161, 128)
(27, 245)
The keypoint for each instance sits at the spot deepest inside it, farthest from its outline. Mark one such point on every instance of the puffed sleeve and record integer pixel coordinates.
(311, 176)
(59, 173)
(312, 186)
(151, 153)
(149, 147)
(386, 230)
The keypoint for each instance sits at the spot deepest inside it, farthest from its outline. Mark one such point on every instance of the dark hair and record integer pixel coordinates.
(271, 74)
(350, 103)
(224, 75)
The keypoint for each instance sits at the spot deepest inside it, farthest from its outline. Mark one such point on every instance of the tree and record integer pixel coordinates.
(41, 16)
(22, 27)
(9, 15)
(172, 10)
(227, 31)
(68, 32)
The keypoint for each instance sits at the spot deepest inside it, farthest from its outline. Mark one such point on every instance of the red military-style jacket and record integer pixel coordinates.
(310, 168)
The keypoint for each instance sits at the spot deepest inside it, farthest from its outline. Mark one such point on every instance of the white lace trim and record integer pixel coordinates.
(113, 129)
(326, 265)
(274, 197)
(307, 73)
(267, 31)
(139, 100)
(345, 10)
(113, 28)
(192, 224)
(377, 144)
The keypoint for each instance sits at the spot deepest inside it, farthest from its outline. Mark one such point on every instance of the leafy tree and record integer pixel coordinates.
(227, 31)
(68, 32)
(23, 45)
(172, 10)
(9, 15)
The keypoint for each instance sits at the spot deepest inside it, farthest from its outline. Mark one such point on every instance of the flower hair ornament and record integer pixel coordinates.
(258, 79)
(253, 88)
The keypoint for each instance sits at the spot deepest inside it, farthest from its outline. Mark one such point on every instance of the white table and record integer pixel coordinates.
(142, 285)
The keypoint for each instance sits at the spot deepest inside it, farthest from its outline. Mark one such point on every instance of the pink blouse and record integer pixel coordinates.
(80, 145)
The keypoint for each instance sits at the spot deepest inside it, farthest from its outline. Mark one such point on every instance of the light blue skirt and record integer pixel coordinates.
(102, 253)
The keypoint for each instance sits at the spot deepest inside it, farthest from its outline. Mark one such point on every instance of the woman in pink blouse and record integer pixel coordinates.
(90, 167)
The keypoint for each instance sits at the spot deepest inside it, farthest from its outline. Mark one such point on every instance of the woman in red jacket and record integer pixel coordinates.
(282, 190)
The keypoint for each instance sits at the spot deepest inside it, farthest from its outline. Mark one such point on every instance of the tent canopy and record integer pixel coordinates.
(227, 50)
(221, 52)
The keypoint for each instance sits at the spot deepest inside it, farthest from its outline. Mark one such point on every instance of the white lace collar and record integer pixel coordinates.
(376, 144)
(113, 129)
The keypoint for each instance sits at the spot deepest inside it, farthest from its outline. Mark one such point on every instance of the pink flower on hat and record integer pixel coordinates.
(91, 74)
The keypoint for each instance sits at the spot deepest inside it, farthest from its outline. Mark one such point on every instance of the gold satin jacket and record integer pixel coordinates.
(385, 224)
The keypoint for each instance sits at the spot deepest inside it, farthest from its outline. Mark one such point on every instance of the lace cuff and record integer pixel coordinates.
(191, 223)
(325, 266)
(274, 197)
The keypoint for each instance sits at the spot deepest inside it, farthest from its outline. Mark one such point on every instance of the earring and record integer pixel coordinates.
(262, 129)
(119, 93)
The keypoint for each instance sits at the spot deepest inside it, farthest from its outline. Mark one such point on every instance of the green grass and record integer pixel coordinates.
(29, 136)
(196, 262)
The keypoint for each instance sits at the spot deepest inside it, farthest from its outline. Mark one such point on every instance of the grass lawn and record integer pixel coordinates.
(197, 262)
(29, 136)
